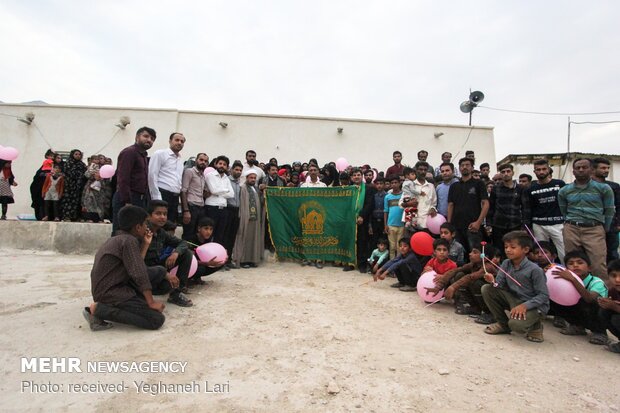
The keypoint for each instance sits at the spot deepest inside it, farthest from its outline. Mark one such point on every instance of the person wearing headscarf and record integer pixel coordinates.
(7, 180)
(331, 177)
(36, 187)
(74, 186)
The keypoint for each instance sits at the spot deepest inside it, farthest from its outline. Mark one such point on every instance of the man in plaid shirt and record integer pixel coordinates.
(506, 206)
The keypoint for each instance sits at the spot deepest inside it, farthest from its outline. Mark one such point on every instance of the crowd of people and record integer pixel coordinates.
(490, 256)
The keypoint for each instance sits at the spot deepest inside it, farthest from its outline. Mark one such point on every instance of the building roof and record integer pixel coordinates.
(257, 115)
(560, 158)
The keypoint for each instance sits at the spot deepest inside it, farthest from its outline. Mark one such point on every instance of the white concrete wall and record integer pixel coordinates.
(288, 138)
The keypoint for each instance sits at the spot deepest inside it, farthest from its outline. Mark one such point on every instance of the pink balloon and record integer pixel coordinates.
(434, 223)
(562, 291)
(208, 170)
(206, 252)
(107, 171)
(426, 281)
(341, 164)
(192, 269)
(9, 153)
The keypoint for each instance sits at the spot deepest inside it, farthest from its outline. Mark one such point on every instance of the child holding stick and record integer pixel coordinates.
(520, 287)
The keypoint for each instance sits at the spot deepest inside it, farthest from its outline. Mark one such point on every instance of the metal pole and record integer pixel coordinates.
(470, 117)
(568, 140)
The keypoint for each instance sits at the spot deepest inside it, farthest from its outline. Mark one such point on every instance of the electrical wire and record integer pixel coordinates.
(110, 141)
(471, 128)
(49, 145)
(594, 122)
(550, 113)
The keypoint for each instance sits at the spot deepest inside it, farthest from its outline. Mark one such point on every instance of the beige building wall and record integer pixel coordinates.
(288, 138)
(561, 164)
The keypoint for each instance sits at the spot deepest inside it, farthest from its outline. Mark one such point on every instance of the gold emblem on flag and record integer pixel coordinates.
(312, 218)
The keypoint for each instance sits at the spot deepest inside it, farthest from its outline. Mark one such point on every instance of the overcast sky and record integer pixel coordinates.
(393, 60)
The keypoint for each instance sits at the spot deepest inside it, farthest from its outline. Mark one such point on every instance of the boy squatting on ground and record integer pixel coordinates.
(528, 301)
(204, 235)
(609, 313)
(464, 284)
(378, 256)
(119, 279)
(405, 266)
(584, 314)
(440, 263)
(154, 257)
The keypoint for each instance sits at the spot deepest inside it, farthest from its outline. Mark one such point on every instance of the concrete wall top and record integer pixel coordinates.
(288, 138)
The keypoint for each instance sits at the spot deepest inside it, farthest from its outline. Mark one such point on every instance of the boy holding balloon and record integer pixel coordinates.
(440, 263)
(584, 314)
(521, 288)
(204, 235)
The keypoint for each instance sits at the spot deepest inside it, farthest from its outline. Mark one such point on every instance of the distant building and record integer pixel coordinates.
(561, 163)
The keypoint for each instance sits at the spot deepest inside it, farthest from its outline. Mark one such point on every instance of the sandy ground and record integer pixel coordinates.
(287, 338)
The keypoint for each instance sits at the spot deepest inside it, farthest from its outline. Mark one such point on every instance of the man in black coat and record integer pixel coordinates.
(363, 222)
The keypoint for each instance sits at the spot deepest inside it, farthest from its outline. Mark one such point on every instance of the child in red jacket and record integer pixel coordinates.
(52, 192)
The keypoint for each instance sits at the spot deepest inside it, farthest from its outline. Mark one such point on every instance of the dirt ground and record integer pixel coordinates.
(288, 338)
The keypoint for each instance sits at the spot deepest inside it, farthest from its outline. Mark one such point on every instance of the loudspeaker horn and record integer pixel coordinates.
(476, 97)
(467, 106)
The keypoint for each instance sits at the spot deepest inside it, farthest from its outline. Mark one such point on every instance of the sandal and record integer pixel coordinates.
(573, 330)
(497, 328)
(535, 335)
(95, 323)
(599, 339)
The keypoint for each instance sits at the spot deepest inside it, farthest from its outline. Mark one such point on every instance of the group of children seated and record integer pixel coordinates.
(143, 259)
(510, 296)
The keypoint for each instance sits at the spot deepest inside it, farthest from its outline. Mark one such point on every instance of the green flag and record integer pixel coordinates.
(314, 223)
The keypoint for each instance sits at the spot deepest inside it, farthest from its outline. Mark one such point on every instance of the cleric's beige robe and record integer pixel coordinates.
(250, 240)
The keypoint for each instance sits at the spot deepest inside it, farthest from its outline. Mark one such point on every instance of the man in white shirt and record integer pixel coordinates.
(165, 174)
(251, 164)
(314, 181)
(427, 204)
(220, 188)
